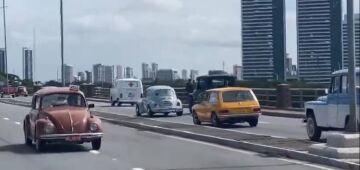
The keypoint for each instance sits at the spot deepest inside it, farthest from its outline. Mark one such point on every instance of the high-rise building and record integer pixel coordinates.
(145, 70)
(88, 76)
(238, 72)
(119, 72)
(2, 60)
(194, 74)
(27, 61)
(97, 71)
(184, 74)
(68, 73)
(167, 75)
(81, 76)
(129, 72)
(108, 74)
(103, 73)
(357, 41)
(319, 39)
(263, 39)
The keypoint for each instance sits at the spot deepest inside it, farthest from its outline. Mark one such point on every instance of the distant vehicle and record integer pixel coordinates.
(126, 91)
(204, 83)
(8, 91)
(331, 112)
(61, 114)
(227, 105)
(21, 91)
(159, 99)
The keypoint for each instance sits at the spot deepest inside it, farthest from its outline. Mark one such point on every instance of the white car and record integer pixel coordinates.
(159, 99)
(331, 112)
(126, 91)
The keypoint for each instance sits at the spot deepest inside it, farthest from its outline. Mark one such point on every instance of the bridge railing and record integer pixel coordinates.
(269, 97)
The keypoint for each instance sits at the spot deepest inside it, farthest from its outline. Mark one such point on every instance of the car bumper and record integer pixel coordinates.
(238, 117)
(165, 110)
(75, 137)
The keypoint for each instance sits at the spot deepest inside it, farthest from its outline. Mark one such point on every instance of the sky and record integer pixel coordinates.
(179, 34)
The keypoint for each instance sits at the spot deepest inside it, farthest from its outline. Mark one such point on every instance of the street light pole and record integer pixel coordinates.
(354, 117)
(5, 46)
(62, 43)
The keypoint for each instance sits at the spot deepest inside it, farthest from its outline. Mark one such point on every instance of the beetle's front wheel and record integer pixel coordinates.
(96, 144)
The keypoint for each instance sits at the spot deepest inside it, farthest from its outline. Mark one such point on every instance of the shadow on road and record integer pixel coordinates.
(50, 148)
(125, 106)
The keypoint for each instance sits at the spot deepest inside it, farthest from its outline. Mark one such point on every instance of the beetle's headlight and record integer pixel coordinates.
(49, 128)
(93, 127)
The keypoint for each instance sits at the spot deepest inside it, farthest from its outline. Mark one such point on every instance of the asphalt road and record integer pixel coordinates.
(124, 149)
(268, 125)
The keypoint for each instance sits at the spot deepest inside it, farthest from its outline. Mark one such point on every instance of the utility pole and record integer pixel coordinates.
(5, 52)
(62, 43)
(354, 117)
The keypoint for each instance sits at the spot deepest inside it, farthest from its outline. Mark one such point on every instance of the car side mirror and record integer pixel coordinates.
(91, 106)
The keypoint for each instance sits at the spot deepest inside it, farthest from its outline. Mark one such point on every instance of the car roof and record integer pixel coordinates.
(51, 90)
(159, 87)
(229, 89)
(345, 71)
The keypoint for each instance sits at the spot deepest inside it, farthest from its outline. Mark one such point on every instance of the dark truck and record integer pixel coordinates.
(207, 82)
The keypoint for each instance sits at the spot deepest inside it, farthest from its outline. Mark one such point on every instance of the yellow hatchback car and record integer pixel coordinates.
(227, 105)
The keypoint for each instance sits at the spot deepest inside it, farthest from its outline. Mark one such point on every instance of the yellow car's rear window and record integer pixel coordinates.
(237, 96)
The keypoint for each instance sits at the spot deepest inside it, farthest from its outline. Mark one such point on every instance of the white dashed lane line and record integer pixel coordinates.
(18, 123)
(138, 169)
(5, 118)
(95, 152)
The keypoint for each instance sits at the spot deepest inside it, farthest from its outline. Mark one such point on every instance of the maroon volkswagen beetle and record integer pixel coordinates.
(61, 115)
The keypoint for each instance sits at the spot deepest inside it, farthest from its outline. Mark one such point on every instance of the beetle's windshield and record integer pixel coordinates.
(55, 100)
(164, 92)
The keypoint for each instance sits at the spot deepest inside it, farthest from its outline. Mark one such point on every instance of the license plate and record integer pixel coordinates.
(73, 138)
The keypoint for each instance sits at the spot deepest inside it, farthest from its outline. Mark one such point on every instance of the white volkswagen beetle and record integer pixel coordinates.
(159, 99)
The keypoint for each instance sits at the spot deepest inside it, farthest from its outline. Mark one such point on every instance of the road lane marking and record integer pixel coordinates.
(305, 164)
(264, 122)
(138, 169)
(18, 123)
(5, 118)
(114, 159)
(205, 143)
(95, 152)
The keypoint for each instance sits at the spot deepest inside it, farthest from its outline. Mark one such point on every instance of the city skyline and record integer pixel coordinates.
(201, 47)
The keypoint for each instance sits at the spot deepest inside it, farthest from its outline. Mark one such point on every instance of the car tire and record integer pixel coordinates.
(313, 131)
(150, 112)
(26, 135)
(138, 114)
(215, 120)
(196, 119)
(179, 113)
(96, 144)
(39, 145)
(253, 122)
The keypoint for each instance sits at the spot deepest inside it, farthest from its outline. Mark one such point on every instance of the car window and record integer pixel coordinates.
(33, 103)
(163, 92)
(128, 84)
(213, 98)
(335, 85)
(237, 96)
(55, 100)
(344, 84)
(37, 104)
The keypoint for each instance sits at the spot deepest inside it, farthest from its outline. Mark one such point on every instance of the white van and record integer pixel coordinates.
(126, 91)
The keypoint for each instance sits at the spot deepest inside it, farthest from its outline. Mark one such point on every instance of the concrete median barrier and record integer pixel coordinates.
(277, 147)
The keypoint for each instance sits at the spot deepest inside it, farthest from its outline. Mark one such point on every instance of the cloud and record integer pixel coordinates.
(105, 22)
(169, 5)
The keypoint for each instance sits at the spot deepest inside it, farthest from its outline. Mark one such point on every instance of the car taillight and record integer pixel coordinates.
(257, 109)
(224, 111)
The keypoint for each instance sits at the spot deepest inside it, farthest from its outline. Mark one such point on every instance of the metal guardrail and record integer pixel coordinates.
(266, 96)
